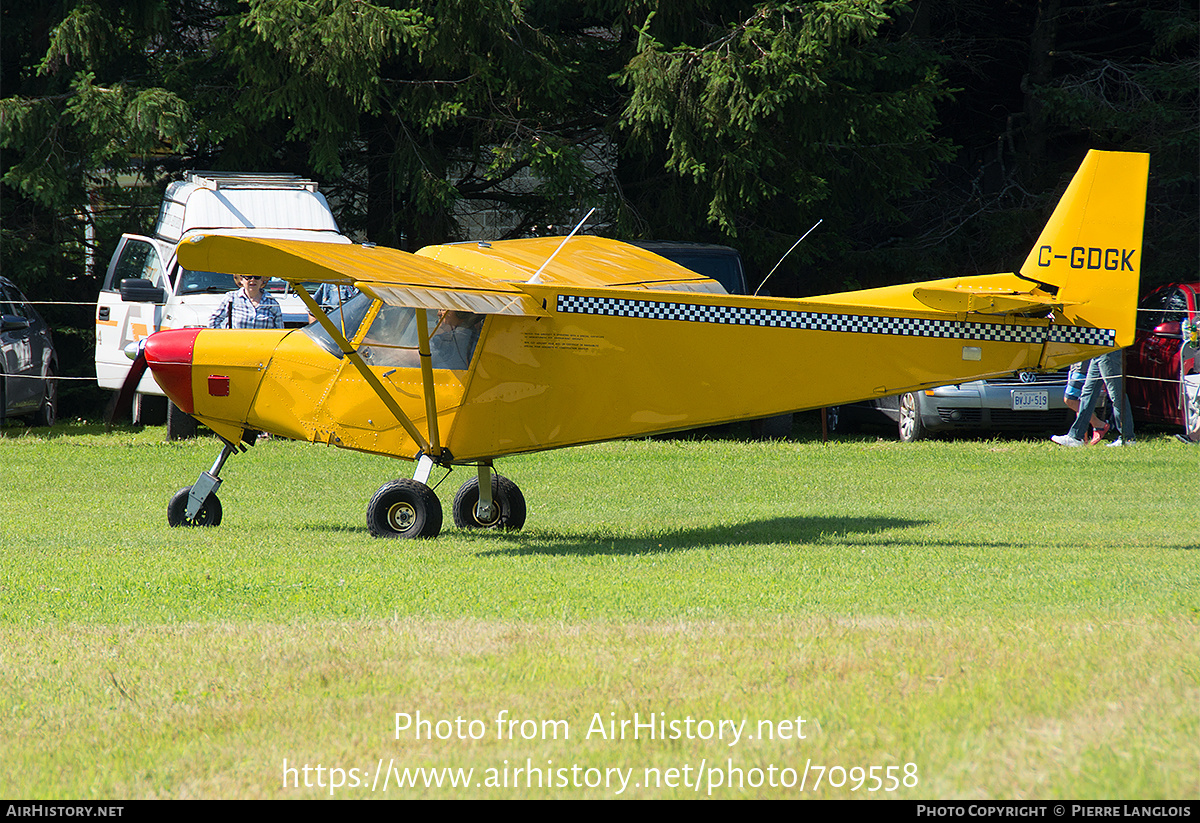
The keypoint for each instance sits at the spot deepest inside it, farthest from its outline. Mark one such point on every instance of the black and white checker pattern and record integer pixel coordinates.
(856, 323)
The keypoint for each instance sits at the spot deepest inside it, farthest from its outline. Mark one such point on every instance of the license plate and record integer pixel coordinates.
(1030, 400)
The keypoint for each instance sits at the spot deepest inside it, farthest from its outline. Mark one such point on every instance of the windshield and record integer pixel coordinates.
(348, 318)
(212, 282)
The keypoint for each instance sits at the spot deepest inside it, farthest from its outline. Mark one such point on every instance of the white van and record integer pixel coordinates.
(146, 290)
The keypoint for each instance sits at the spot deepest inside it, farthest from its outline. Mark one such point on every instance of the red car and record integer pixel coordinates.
(1164, 355)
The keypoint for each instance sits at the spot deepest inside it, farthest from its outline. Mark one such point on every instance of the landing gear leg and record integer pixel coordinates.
(483, 509)
(197, 504)
(424, 467)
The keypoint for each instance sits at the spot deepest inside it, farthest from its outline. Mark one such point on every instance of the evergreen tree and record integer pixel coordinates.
(1037, 83)
(752, 120)
(414, 110)
(84, 114)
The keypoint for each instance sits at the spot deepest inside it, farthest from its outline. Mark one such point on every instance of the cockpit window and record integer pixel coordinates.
(348, 318)
(392, 339)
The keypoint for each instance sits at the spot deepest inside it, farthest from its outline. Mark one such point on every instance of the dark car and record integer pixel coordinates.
(1162, 362)
(1024, 402)
(721, 263)
(28, 362)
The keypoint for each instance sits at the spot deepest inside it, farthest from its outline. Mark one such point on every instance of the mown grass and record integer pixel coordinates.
(1016, 619)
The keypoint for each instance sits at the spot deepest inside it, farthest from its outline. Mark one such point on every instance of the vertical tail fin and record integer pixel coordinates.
(1091, 249)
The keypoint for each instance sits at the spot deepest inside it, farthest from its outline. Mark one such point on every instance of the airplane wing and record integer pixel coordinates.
(584, 260)
(393, 276)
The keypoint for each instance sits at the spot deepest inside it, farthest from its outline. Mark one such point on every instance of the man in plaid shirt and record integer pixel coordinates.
(250, 307)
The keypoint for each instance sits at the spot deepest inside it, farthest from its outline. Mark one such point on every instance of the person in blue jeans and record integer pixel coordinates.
(1105, 371)
(1073, 394)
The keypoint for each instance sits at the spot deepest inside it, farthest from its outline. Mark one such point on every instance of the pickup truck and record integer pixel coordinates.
(145, 289)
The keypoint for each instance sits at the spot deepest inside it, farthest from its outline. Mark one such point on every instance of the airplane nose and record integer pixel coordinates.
(169, 356)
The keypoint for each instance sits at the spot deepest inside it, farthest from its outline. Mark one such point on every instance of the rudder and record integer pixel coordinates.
(1091, 248)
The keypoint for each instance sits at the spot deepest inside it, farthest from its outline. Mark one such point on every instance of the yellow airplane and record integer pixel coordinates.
(464, 353)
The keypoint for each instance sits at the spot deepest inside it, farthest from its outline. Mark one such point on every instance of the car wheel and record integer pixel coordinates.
(180, 424)
(1191, 409)
(911, 427)
(404, 508)
(836, 420)
(149, 410)
(778, 427)
(508, 505)
(209, 514)
(47, 413)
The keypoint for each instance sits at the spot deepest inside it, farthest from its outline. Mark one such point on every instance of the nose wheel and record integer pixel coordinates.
(209, 513)
(197, 504)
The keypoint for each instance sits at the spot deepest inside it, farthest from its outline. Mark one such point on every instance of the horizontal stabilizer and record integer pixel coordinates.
(984, 301)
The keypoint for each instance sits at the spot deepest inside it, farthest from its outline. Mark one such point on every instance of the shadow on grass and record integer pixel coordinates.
(755, 533)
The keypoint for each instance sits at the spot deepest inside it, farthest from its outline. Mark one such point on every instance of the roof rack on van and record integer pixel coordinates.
(248, 180)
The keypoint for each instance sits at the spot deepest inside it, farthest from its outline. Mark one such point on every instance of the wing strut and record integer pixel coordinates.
(353, 356)
(427, 379)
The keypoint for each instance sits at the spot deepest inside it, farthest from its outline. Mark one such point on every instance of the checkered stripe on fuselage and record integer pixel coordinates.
(816, 321)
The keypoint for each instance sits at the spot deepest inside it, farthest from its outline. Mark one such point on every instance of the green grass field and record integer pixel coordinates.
(982, 619)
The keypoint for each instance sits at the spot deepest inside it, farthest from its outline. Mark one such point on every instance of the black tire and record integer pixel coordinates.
(209, 514)
(508, 505)
(1191, 415)
(404, 508)
(836, 421)
(47, 412)
(778, 427)
(909, 425)
(149, 410)
(180, 424)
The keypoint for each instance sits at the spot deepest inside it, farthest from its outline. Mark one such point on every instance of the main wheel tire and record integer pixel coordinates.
(910, 426)
(209, 514)
(404, 508)
(508, 505)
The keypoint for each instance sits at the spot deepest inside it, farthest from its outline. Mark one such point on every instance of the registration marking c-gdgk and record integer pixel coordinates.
(1089, 258)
